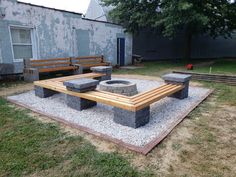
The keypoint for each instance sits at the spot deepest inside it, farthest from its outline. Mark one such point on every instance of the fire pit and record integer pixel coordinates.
(122, 87)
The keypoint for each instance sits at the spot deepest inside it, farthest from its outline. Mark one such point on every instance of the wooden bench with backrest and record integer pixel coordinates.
(33, 67)
(131, 111)
(86, 62)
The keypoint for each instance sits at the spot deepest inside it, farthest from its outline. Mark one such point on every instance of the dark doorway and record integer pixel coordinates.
(121, 51)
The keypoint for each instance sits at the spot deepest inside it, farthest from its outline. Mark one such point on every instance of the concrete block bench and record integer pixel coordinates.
(182, 79)
(132, 111)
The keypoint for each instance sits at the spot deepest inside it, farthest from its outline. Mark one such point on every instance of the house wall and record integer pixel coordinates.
(155, 47)
(58, 34)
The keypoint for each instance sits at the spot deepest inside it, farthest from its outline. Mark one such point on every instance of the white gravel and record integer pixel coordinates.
(100, 119)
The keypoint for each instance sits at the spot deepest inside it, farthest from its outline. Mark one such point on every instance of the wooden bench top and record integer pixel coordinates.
(132, 103)
(89, 61)
(50, 65)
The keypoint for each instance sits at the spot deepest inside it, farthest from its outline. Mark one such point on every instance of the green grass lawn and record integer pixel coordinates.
(219, 67)
(29, 147)
(152, 68)
(160, 68)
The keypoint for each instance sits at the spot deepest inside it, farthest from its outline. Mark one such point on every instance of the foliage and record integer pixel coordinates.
(214, 16)
(170, 17)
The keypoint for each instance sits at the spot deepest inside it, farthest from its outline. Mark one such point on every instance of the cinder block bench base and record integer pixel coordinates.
(43, 92)
(79, 103)
(80, 86)
(131, 119)
(182, 79)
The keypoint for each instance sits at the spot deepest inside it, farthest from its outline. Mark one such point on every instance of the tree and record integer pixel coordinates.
(193, 17)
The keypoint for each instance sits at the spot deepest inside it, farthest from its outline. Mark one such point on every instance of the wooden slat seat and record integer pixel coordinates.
(33, 67)
(133, 103)
(50, 65)
(65, 68)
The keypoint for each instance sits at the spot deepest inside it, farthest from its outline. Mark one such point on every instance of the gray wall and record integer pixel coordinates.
(58, 34)
(154, 47)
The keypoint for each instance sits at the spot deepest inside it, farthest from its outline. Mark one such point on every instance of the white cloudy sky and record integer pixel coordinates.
(70, 5)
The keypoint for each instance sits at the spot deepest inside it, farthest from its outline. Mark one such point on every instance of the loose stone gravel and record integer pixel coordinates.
(100, 117)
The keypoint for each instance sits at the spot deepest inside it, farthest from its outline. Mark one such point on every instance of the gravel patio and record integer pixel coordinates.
(165, 115)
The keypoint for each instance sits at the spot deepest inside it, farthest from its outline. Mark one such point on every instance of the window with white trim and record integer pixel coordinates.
(22, 43)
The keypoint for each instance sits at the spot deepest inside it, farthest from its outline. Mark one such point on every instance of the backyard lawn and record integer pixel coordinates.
(159, 68)
(202, 145)
(219, 67)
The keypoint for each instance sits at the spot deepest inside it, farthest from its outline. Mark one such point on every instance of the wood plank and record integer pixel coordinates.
(99, 60)
(50, 64)
(153, 93)
(78, 76)
(48, 60)
(109, 96)
(44, 70)
(149, 91)
(95, 64)
(115, 94)
(149, 101)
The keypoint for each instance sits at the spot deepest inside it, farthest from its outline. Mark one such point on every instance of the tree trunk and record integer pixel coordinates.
(187, 45)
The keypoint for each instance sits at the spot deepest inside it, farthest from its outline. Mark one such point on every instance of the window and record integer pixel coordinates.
(22, 43)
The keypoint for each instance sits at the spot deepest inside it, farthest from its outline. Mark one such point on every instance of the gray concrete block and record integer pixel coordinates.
(177, 77)
(182, 79)
(182, 93)
(31, 75)
(80, 84)
(107, 70)
(79, 103)
(81, 90)
(101, 68)
(132, 119)
(43, 92)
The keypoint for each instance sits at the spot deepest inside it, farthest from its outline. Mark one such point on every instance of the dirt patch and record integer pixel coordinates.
(202, 145)
(15, 89)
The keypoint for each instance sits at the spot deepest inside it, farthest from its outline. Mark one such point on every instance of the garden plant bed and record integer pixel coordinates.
(165, 115)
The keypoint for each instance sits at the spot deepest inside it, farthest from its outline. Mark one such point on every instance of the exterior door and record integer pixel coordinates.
(121, 51)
